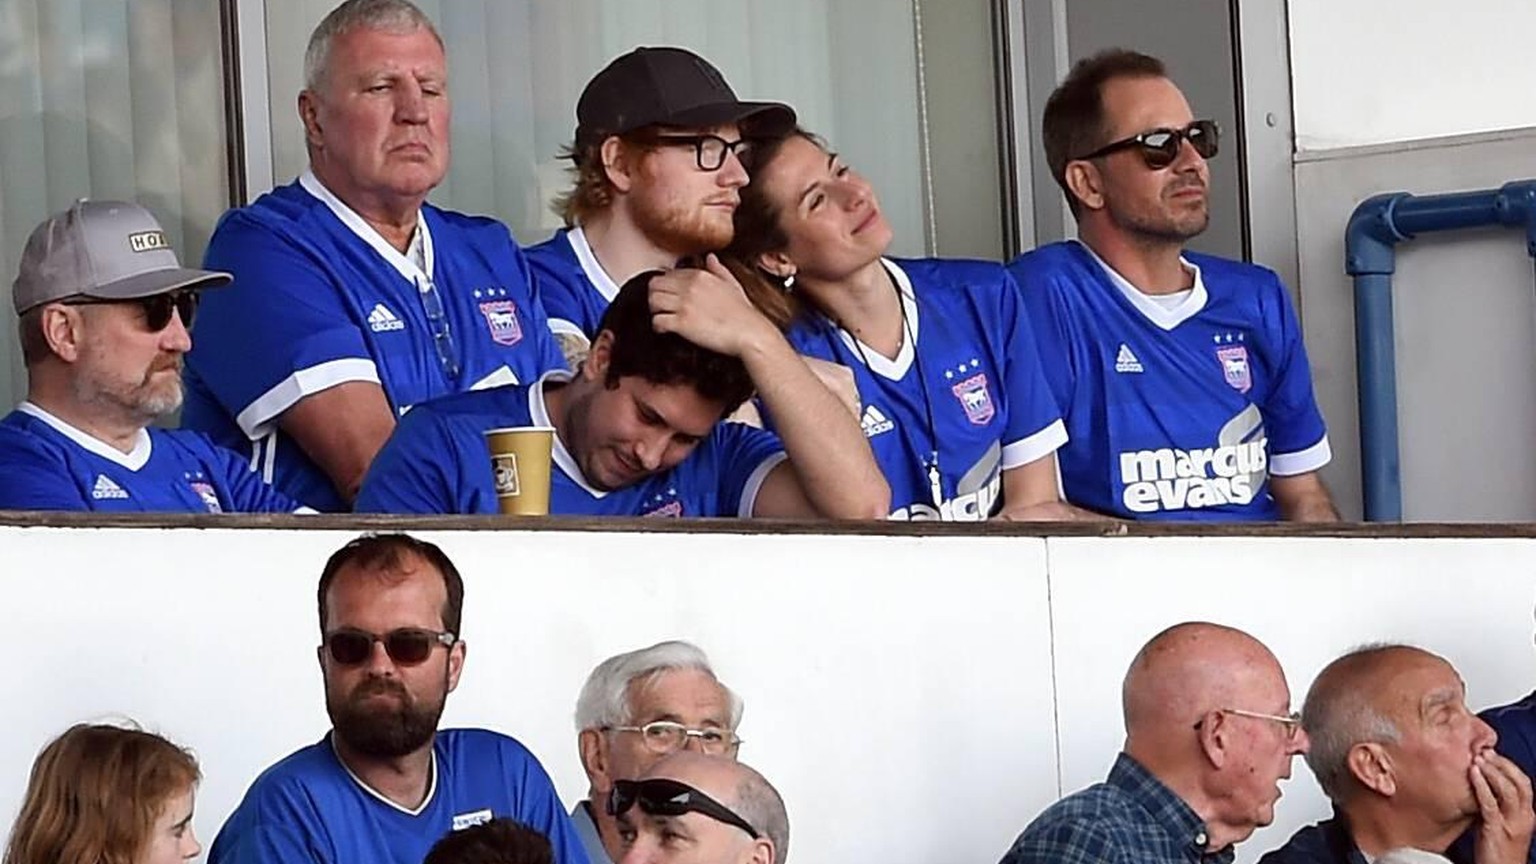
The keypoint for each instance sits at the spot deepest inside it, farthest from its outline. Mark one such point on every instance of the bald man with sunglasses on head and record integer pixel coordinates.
(692, 808)
(105, 308)
(1182, 377)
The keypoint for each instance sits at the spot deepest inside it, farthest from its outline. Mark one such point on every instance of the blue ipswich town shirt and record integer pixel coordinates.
(1130, 818)
(309, 809)
(438, 462)
(1179, 413)
(970, 366)
(47, 464)
(320, 299)
(575, 289)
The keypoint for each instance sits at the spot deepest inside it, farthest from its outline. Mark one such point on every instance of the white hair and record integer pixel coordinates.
(604, 699)
(391, 16)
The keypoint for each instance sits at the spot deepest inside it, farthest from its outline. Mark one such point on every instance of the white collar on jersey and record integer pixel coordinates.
(426, 800)
(538, 412)
(1164, 317)
(133, 460)
(589, 266)
(893, 369)
(412, 271)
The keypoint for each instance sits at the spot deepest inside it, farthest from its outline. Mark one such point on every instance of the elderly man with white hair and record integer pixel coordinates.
(635, 709)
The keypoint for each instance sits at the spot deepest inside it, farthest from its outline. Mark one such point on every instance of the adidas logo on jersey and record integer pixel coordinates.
(105, 489)
(1125, 361)
(381, 320)
(874, 422)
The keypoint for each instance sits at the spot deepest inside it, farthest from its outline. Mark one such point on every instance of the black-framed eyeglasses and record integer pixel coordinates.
(659, 796)
(407, 646)
(1160, 147)
(157, 307)
(1291, 723)
(667, 736)
(708, 150)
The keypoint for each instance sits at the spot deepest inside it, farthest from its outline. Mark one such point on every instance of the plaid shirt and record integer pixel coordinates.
(1130, 817)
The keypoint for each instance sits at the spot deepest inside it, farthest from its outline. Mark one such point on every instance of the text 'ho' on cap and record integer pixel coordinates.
(668, 87)
(111, 250)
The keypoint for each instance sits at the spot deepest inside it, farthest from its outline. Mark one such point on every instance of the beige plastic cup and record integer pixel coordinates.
(520, 458)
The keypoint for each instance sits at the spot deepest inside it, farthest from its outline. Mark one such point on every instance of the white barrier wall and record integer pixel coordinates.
(916, 699)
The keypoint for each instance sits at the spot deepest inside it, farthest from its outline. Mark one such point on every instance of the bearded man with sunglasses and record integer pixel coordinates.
(691, 808)
(105, 309)
(1182, 377)
(385, 785)
(657, 163)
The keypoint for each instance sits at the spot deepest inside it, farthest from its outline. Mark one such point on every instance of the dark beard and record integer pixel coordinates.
(386, 733)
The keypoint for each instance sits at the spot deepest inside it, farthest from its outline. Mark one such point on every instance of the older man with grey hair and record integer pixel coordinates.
(353, 298)
(1406, 765)
(635, 709)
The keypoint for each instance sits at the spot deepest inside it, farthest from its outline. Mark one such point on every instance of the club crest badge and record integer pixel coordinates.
(671, 510)
(501, 317)
(1234, 367)
(209, 497)
(975, 398)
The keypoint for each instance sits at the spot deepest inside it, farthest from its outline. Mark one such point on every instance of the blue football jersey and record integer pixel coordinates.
(576, 290)
(966, 385)
(1174, 413)
(320, 299)
(438, 462)
(47, 464)
(309, 809)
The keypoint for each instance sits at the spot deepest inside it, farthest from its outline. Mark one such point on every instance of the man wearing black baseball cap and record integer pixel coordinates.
(105, 309)
(657, 167)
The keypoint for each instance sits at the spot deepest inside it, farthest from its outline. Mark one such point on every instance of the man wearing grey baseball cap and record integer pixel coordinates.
(656, 163)
(105, 309)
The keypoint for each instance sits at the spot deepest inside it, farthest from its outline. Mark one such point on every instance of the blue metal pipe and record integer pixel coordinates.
(1370, 256)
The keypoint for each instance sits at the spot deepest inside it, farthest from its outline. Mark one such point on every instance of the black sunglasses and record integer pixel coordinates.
(157, 307)
(407, 646)
(662, 797)
(1160, 147)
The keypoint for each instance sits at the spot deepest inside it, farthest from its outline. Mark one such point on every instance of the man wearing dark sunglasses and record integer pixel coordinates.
(635, 709)
(105, 312)
(1183, 377)
(386, 784)
(353, 297)
(691, 808)
(657, 164)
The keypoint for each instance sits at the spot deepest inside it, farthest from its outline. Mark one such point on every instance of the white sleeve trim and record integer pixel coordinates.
(258, 417)
(755, 483)
(562, 327)
(1301, 462)
(1041, 444)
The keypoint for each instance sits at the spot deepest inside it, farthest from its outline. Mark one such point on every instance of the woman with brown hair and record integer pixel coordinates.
(102, 794)
(954, 404)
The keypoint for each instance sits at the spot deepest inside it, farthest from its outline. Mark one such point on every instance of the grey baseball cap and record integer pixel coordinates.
(112, 250)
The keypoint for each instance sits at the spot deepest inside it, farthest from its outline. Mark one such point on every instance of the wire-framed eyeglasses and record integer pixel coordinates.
(1290, 723)
(667, 736)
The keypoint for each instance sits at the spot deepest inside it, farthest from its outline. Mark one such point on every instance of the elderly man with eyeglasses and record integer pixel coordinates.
(692, 808)
(1208, 738)
(1406, 765)
(1182, 376)
(636, 709)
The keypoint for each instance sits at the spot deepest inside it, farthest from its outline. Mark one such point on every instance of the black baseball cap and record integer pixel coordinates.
(667, 87)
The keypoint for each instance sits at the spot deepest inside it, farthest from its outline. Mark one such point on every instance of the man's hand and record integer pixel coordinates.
(708, 308)
(1504, 799)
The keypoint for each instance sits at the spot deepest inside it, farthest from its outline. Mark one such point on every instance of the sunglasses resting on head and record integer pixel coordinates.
(662, 797)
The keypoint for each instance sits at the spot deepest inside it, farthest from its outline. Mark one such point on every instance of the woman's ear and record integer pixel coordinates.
(777, 263)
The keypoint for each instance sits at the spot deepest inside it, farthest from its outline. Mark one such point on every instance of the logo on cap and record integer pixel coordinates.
(148, 241)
